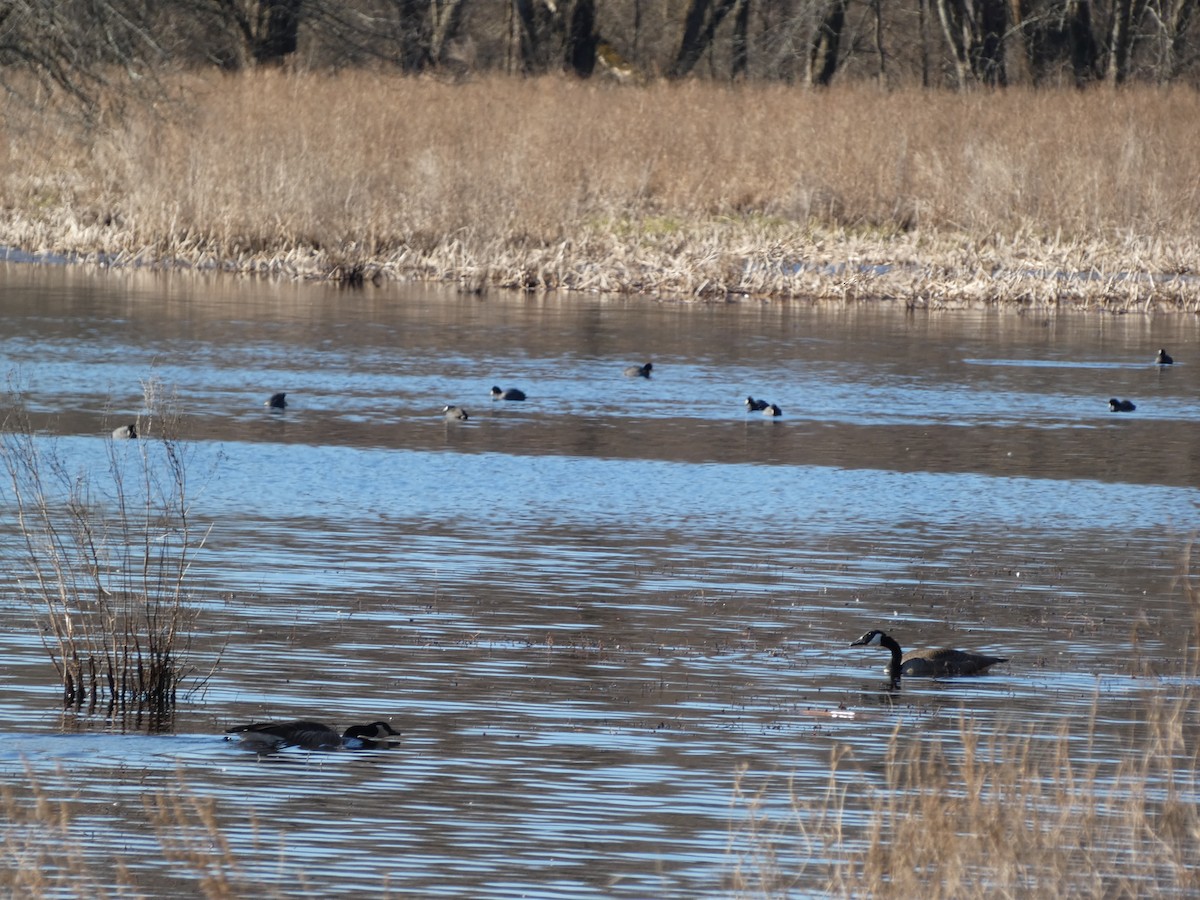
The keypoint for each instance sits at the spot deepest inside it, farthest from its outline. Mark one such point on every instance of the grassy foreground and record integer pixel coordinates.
(691, 189)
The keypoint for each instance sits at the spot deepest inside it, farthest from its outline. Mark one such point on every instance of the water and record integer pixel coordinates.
(596, 613)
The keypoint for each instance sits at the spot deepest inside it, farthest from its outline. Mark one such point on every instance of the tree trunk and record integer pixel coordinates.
(823, 54)
(276, 31)
(582, 39)
(975, 31)
(700, 25)
(1125, 15)
(739, 65)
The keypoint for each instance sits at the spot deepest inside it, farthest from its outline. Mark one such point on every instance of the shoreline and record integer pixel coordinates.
(685, 191)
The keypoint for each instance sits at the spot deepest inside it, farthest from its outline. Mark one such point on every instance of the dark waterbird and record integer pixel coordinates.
(1115, 405)
(1163, 358)
(756, 405)
(639, 371)
(277, 401)
(268, 736)
(125, 432)
(455, 414)
(943, 663)
(510, 394)
(772, 410)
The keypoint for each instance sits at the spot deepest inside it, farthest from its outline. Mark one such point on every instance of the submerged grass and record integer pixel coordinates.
(1016, 197)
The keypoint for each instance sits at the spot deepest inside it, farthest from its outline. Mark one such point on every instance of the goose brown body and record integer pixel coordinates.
(939, 663)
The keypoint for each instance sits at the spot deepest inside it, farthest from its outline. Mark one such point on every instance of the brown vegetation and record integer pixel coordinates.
(1019, 197)
(106, 559)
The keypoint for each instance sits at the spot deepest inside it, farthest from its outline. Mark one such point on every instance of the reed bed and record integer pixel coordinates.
(1017, 198)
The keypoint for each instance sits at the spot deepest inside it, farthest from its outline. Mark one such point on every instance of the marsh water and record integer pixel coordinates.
(603, 615)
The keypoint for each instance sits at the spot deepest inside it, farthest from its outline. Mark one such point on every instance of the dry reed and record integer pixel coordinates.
(107, 562)
(693, 188)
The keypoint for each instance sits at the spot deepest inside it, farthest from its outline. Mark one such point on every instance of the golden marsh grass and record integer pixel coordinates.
(691, 188)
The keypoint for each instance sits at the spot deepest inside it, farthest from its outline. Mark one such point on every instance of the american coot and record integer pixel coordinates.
(267, 736)
(772, 410)
(639, 371)
(125, 432)
(928, 663)
(756, 405)
(1163, 358)
(455, 414)
(510, 394)
(1115, 405)
(277, 401)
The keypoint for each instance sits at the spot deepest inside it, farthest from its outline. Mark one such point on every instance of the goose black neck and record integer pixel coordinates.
(897, 655)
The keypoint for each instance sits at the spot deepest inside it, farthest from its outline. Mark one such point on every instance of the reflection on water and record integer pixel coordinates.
(591, 613)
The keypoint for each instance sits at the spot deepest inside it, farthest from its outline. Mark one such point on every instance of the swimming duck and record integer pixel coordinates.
(1163, 358)
(1115, 405)
(756, 405)
(639, 371)
(772, 410)
(455, 414)
(125, 432)
(510, 394)
(928, 663)
(268, 736)
(277, 401)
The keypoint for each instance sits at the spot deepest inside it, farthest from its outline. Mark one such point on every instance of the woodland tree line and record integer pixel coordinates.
(81, 46)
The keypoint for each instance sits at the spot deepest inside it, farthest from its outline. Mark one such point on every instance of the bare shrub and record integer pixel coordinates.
(106, 560)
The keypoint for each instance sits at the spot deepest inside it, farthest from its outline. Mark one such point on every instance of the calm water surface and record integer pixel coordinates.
(589, 612)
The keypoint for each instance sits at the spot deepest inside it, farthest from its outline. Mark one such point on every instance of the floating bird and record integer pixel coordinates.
(1163, 358)
(639, 371)
(125, 432)
(927, 663)
(756, 405)
(510, 394)
(772, 410)
(277, 401)
(1115, 405)
(268, 736)
(455, 414)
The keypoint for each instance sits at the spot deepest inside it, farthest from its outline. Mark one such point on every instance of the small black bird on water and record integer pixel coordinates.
(1115, 405)
(1163, 358)
(277, 401)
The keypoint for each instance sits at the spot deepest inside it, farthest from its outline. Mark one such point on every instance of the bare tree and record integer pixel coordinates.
(81, 48)
(975, 32)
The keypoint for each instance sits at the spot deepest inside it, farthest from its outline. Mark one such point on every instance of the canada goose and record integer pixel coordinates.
(510, 394)
(125, 432)
(277, 401)
(1163, 358)
(267, 736)
(928, 663)
(756, 405)
(639, 371)
(772, 410)
(455, 414)
(1115, 405)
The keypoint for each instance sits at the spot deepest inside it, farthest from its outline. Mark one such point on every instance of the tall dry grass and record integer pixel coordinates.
(996, 810)
(692, 187)
(992, 814)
